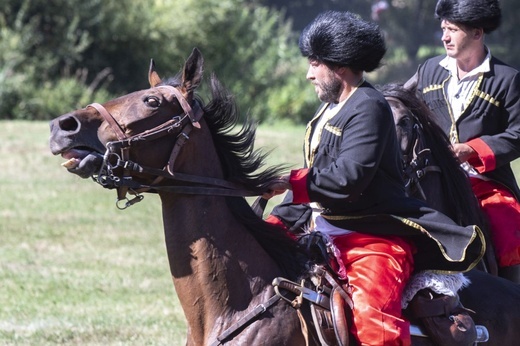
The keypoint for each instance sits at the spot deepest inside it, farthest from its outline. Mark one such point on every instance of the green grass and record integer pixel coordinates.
(75, 270)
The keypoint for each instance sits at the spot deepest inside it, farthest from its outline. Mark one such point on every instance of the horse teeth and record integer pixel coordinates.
(71, 163)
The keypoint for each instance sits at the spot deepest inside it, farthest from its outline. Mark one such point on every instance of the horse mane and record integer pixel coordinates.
(454, 179)
(240, 163)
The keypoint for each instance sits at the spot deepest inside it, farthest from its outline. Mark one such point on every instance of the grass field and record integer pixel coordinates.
(75, 270)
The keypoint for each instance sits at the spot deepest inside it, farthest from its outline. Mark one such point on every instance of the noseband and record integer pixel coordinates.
(116, 158)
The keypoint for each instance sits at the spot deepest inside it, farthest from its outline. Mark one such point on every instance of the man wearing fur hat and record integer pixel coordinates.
(476, 100)
(351, 187)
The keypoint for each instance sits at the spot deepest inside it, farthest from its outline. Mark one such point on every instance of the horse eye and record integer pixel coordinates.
(152, 101)
(405, 121)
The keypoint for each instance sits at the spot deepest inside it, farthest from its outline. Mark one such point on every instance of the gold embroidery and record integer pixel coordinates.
(318, 132)
(488, 98)
(453, 134)
(432, 87)
(309, 152)
(333, 129)
(477, 232)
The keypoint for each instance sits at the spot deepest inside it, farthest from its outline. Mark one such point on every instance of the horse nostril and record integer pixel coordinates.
(69, 124)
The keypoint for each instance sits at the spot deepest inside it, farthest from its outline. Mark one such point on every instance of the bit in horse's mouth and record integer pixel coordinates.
(83, 161)
(74, 157)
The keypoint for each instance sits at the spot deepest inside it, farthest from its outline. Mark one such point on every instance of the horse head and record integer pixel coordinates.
(429, 164)
(165, 140)
(406, 126)
(106, 141)
(415, 149)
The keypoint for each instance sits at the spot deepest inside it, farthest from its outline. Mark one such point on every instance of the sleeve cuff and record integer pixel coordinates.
(273, 220)
(486, 160)
(298, 181)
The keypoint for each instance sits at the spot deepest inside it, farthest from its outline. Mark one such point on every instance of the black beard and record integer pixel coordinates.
(330, 91)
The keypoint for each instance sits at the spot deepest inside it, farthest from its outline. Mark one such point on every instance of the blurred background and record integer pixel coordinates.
(74, 270)
(57, 55)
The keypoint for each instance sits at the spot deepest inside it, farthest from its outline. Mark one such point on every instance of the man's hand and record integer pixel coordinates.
(463, 151)
(277, 187)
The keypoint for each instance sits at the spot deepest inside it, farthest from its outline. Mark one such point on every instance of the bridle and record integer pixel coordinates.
(416, 160)
(116, 158)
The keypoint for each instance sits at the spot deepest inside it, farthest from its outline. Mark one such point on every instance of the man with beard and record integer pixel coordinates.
(476, 100)
(351, 188)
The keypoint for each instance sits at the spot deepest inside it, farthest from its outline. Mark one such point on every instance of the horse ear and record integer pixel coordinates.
(153, 77)
(192, 73)
(411, 84)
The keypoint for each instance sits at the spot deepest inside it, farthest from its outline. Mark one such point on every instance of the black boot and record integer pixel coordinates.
(512, 273)
(446, 321)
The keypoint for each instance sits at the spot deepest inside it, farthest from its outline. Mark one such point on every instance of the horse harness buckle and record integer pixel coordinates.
(124, 183)
(331, 304)
(302, 292)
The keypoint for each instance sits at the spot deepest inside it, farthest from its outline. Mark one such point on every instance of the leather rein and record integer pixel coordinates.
(116, 158)
(416, 161)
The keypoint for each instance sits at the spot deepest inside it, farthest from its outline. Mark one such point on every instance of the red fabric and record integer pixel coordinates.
(377, 269)
(273, 220)
(486, 160)
(298, 181)
(503, 212)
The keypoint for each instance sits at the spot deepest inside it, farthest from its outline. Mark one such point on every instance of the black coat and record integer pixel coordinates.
(356, 176)
(492, 115)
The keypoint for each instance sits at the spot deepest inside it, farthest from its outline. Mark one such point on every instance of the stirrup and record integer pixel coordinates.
(330, 304)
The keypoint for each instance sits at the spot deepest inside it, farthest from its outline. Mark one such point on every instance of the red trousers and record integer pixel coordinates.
(378, 269)
(503, 213)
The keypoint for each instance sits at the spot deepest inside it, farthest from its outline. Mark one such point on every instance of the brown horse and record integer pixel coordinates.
(434, 174)
(222, 256)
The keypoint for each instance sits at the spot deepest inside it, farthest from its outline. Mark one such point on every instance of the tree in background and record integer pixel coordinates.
(302, 12)
(412, 32)
(62, 54)
(39, 50)
(58, 55)
(413, 35)
(504, 41)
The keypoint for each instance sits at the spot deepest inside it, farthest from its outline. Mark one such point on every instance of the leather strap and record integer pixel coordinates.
(114, 125)
(249, 317)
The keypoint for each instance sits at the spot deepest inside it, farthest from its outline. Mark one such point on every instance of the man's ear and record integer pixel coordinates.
(341, 70)
(478, 33)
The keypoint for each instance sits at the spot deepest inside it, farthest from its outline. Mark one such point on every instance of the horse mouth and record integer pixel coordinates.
(82, 161)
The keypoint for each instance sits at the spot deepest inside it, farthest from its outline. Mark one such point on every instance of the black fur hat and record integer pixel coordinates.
(483, 14)
(343, 39)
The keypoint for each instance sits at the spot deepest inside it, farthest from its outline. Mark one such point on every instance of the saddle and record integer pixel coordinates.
(329, 299)
(330, 304)
(437, 316)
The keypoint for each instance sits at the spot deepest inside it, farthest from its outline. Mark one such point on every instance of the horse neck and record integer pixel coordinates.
(430, 186)
(445, 190)
(217, 266)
